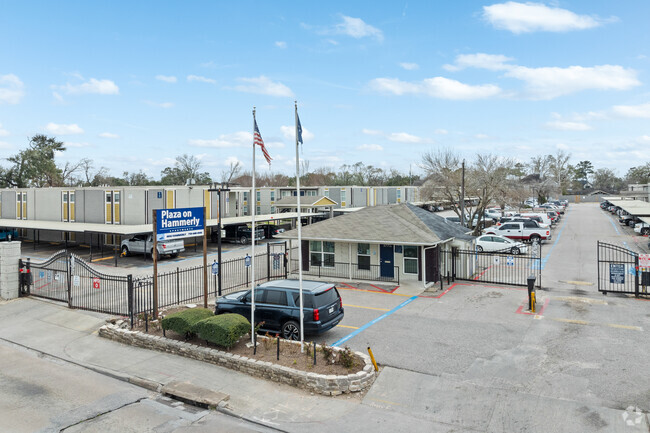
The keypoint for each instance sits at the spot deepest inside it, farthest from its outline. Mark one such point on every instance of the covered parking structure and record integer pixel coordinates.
(636, 208)
(117, 232)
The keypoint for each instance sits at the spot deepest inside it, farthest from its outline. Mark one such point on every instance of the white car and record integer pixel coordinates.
(642, 228)
(500, 244)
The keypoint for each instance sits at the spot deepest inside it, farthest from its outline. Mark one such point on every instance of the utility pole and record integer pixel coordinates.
(219, 190)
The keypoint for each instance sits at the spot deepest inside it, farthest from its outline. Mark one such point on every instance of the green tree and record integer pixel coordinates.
(606, 179)
(640, 174)
(582, 171)
(35, 165)
(185, 168)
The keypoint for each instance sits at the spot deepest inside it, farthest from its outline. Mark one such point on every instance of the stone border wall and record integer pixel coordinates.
(318, 383)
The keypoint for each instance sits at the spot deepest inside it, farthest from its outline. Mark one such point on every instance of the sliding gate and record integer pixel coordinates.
(618, 271)
(501, 267)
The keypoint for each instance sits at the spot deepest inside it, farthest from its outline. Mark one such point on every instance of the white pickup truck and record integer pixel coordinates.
(526, 231)
(141, 244)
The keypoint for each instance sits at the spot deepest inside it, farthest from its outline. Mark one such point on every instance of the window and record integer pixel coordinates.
(259, 296)
(410, 260)
(363, 256)
(257, 210)
(258, 195)
(245, 196)
(327, 193)
(322, 253)
(343, 197)
(245, 209)
(272, 209)
(272, 196)
(276, 297)
(311, 193)
(307, 301)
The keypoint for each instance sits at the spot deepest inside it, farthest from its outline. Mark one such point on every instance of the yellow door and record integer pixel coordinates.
(116, 207)
(206, 203)
(109, 207)
(65, 205)
(19, 205)
(71, 205)
(170, 199)
(24, 205)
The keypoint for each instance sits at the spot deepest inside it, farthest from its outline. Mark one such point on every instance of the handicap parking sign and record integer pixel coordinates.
(510, 261)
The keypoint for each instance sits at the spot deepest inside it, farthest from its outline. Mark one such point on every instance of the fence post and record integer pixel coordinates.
(178, 287)
(285, 259)
(636, 275)
(268, 262)
(21, 279)
(129, 285)
(68, 264)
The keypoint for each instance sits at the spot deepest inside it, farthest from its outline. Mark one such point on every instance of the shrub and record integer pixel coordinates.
(346, 358)
(183, 321)
(223, 330)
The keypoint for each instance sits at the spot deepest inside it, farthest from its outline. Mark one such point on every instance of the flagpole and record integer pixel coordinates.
(253, 202)
(302, 311)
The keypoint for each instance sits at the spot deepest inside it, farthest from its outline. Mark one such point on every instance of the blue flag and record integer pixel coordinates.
(299, 128)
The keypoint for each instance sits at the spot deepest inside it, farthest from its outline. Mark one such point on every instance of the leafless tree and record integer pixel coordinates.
(232, 172)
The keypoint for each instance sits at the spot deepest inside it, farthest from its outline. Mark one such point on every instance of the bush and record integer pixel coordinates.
(183, 321)
(223, 330)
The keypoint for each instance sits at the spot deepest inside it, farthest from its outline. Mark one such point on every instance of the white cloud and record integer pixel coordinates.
(531, 17)
(409, 66)
(159, 104)
(61, 129)
(200, 79)
(441, 131)
(5, 145)
(94, 86)
(108, 135)
(645, 138)
(3, 132)
(166, 78)
(370, 147)
(561, 146)
(641, 111)
(403, 137)
(552, 82)
(372, 132)
(236, 139)
(437, 87)
(264, 86)
(289, 132)
(568, 126)
(357, 28)
(11, 89)
(493, 62)
(281, 44)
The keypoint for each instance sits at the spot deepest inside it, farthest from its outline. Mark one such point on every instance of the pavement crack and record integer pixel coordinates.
(103, 413)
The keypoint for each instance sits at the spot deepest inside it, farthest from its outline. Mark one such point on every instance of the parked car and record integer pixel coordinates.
(525, 231)
(239, 233)
(642, 228)
(496, 243)
(523, 219)
(277, 307)
(143, 244)
(270, 230)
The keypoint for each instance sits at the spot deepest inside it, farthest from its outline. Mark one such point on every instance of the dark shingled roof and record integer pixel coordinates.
(391, 224)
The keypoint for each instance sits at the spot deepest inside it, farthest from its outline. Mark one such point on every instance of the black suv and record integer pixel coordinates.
(277, 304)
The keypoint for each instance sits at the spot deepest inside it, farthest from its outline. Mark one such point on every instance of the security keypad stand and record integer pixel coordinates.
(531, 293)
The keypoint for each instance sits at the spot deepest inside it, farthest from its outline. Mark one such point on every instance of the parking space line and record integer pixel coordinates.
(105, 258)
(372, 322)
(378, 288)
(349, 286)
(368, 308)
(586, 323)
(346, 326)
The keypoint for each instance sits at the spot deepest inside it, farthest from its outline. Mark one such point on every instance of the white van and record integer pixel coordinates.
(543, 215)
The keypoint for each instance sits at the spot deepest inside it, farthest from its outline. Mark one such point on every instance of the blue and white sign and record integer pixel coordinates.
(617, 273)
(179, 223)
(215, 268)
(247, 261)
(510, 261)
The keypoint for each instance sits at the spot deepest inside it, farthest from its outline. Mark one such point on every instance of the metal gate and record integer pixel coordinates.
(68, 278)
(618, 269)
(496, 267)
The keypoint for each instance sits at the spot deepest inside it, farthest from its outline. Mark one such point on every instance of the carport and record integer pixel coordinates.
(636, 208)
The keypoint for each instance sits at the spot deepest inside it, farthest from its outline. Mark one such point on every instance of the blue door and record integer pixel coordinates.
(386, 261)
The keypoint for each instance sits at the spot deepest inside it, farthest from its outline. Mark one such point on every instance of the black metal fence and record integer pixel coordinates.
(496, 267)
(619, 272)
(67, 278)
(352, 271)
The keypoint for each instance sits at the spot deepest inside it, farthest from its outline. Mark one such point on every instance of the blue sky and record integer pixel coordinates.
(132, 85)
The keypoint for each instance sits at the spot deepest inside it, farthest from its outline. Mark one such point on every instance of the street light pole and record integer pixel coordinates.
(219, 190)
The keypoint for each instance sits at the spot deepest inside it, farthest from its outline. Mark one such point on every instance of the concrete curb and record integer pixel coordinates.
(317, 383)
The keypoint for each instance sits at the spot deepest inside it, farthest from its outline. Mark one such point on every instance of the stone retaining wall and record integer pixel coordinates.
(318, 383)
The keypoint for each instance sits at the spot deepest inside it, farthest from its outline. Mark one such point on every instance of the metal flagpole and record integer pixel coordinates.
(253, 202)
(302, 311)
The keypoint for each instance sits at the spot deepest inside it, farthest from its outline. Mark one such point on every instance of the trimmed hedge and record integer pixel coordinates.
(223, 330)
(183, 321)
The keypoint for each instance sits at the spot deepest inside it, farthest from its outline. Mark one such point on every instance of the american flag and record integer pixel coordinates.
(257, 139)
